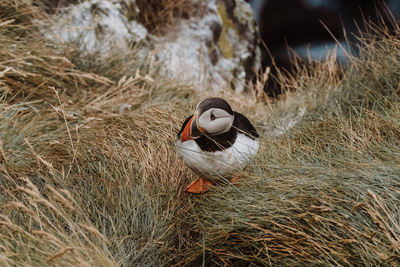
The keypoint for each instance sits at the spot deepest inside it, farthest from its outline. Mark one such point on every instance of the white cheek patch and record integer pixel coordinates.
(220, 113)
(221, 124)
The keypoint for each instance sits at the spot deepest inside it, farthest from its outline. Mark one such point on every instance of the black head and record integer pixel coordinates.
(213, 102)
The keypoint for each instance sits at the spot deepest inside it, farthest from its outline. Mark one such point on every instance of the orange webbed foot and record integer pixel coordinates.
(199, 186)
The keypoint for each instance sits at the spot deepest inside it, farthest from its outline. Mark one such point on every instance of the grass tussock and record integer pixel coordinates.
(89, 174)
(157, 15)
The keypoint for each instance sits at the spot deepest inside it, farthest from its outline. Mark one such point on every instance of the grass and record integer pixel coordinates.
(89, 173)
(157, 15)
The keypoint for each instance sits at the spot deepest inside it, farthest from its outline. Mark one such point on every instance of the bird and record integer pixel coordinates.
(215, 143)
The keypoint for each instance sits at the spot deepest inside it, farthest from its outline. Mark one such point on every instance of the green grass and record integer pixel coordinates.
(82, 183)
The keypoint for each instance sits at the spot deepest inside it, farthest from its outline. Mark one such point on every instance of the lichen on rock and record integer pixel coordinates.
(229, 31)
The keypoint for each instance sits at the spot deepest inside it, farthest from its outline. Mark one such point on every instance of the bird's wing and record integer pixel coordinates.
(243, 125)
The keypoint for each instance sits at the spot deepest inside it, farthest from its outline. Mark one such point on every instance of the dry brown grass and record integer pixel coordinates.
(158, 15)
(89, 174)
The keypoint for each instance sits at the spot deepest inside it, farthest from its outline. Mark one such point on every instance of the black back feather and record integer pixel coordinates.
(223, 141)
(243, 125)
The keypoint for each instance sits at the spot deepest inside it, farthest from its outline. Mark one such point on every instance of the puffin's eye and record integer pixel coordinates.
(212, 116)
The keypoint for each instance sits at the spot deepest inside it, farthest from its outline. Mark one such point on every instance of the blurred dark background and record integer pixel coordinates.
(299, 25)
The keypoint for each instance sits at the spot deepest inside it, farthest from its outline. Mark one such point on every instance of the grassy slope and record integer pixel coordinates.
(81, 183)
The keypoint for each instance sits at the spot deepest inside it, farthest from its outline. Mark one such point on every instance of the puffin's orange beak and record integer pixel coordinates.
(187, 132)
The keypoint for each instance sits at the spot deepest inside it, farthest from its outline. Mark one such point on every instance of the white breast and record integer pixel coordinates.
(218, 163)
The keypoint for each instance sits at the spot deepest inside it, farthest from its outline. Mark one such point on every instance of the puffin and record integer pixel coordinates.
(215, 143)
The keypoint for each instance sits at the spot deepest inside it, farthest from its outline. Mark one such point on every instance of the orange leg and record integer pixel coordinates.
(199, 186)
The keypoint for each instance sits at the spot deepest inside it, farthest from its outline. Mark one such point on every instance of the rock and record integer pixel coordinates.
(217, 49)
(97, 26)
